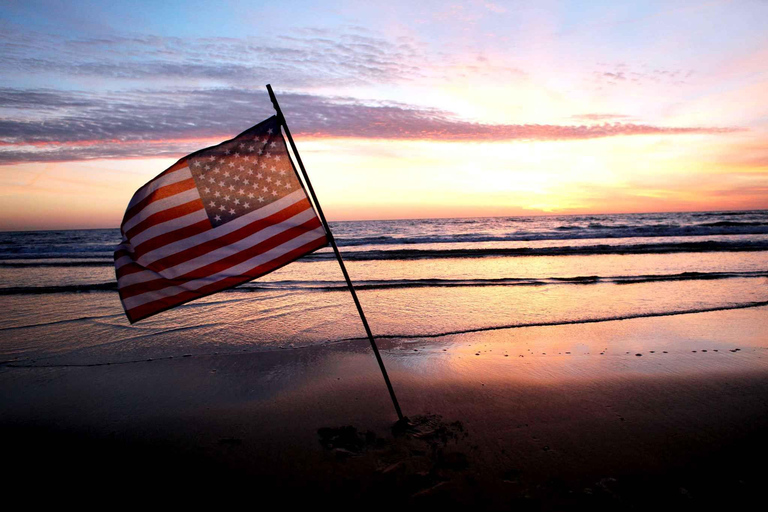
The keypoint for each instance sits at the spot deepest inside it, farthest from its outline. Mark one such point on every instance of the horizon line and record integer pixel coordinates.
(442, 218)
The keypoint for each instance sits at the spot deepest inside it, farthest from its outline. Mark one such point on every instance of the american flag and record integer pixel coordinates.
(215, 219)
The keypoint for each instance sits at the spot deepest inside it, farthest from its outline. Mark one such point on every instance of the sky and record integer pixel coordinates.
(400, 109)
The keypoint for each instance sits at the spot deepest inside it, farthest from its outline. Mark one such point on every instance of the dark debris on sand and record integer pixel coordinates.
(427, 464)
(422, 458)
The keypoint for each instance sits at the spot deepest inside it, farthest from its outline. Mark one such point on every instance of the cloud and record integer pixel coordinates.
(304, 59)
(642, 74)
(50, 125)
(601, 117)
(498, 9)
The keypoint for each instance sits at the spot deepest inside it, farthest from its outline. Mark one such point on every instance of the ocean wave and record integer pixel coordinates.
(664, 229)
(105, 253)
(472, 283)
(414, 283)
(609, 318)
(567, 232)
(659, 248)
(733, 223)
(481, 252)
(625, 229)
(727, 214)
(52, 262)
(75, 288)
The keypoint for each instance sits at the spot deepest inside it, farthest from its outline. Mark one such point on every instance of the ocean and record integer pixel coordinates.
(417, 279)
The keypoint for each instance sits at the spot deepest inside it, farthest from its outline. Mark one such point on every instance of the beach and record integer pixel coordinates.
(509, 256)
(626, 414)
(614, 362)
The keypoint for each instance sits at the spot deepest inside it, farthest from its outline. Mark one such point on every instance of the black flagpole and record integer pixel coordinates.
(281, 120)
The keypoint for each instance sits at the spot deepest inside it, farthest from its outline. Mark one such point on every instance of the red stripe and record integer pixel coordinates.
(165, 215)
(159, 241)
(128, 268)
(160, 193)
(230, 238)
(175, 167)
(154, 307)
(224, 263)
(170, 237)
(205, 247)
(122, 252)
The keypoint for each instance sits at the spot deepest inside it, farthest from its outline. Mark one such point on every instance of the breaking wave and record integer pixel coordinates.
(414, 283)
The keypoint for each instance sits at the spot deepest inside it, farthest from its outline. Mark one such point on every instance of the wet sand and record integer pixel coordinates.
(667, 411)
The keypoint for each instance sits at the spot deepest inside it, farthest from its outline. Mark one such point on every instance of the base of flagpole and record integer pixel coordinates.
(402, 427)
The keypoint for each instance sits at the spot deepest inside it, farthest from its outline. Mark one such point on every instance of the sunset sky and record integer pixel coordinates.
(400, 109)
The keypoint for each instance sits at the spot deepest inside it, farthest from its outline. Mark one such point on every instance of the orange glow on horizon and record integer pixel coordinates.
(361, 179)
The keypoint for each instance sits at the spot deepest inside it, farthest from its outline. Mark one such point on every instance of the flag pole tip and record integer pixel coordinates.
(274, 102)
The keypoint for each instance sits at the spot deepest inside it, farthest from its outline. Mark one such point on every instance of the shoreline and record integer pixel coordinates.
(386, 339)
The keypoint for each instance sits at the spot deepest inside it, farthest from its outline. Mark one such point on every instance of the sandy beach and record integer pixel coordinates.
(625, 414)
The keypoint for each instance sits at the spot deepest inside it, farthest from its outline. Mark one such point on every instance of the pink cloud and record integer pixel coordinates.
(143, 125)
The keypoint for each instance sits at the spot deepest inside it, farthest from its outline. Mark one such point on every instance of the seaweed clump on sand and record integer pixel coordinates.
(422, 459)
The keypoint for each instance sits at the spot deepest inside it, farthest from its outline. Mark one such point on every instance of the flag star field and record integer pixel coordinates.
(244, 174)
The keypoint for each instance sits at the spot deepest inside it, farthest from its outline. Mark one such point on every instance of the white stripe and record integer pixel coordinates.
(181, 245)
(168, 226)
(168, 179)
(223, 230)
(124, 246)
(123, 260)
(237, 270)
(160, 205)
(220, 253)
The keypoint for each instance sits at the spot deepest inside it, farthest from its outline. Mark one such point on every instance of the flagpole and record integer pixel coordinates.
(281, 120)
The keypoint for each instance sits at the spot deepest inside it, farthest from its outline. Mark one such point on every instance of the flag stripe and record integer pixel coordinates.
(240, 270)
(122, 259)
(247, 268)
(219, 248)
(163, 200)
(175, 212)
(162, 304)
(172, 248)
(179, 234)
(159, 205)
(152, 200)
(185, 232)
(163, 228)
(186, 249)
(234, 238)
(129, 268)
(161, 181)
(147, 257)
(138, 283)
